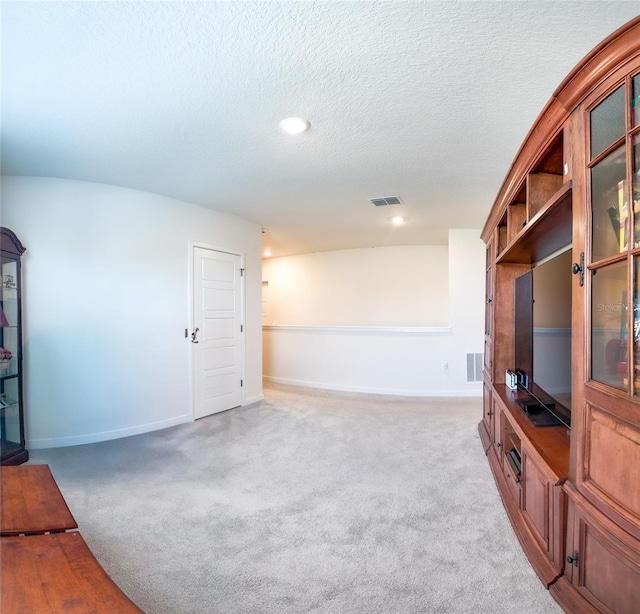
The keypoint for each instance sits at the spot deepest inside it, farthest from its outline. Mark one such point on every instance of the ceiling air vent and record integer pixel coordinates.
(387, 200)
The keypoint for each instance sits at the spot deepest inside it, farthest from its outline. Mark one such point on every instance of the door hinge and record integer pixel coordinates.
(241, 383)
(573, 560)
(241, 328)
(241, 272)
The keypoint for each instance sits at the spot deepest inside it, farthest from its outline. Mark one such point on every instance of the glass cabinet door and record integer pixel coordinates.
(12, 440)
(10, 430)
(615, 238)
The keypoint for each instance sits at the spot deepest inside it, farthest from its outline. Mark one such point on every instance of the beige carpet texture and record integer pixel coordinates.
(310, 501)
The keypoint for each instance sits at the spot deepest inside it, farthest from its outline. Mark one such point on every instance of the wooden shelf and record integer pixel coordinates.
(549, 230)
(551, 443)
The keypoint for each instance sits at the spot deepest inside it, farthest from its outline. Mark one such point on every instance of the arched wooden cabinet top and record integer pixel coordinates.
(10, 243)
(609, 56)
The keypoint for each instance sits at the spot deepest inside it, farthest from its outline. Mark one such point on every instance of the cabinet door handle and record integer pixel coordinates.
(579, 268)
(573, 560)
(194, 334)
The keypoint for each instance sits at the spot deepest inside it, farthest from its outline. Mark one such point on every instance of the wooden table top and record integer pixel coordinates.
(31, 501)
(56, 573)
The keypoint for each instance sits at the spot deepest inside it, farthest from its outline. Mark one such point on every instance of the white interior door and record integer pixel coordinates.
(217, 332)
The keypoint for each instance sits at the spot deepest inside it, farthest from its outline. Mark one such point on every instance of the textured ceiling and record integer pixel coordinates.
(426, 100)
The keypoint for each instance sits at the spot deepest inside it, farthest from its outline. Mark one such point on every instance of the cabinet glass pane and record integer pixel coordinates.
(8, 317)
(636, 325)
(607, 122)
(9, 413)
(636, 190)
(9, 390)
(609, 207)
(9, 429)
(9, 292)
(609, 325)
(635, 105)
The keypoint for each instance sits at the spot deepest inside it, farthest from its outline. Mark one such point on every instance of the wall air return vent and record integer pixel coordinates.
(386, 200)
(474, 367)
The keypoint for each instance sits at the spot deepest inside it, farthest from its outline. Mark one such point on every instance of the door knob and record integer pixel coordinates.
(579, 268)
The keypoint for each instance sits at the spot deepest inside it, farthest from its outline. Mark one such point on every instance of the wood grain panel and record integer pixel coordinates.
(488, 415)
(608, 567)
(516, 219)
(32, 502)
(613, 449)
(536, 500)
(503, 318)
(42, 574)
(540, 188)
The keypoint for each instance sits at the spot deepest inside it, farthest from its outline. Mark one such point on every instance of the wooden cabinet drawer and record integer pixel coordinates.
(603, 561)
(543, 508)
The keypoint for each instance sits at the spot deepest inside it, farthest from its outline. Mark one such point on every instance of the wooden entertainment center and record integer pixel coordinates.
(573, 494)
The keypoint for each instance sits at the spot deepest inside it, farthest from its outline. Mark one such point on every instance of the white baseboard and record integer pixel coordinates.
(254, 399)
(77, 440)
(475, 392)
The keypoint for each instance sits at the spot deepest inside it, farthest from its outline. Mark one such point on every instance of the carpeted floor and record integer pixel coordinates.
(309, 502)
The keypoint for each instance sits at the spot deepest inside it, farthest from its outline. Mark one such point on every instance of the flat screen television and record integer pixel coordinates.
(543, 339)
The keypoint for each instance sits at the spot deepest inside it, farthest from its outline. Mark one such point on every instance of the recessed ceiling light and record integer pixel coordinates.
(397, 220)
(266, 253)
(294, 125)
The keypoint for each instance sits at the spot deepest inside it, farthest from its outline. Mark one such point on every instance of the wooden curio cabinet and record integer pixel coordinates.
(563, 313)
(12, 441)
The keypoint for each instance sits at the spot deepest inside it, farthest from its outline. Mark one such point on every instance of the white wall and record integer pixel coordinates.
(419, 353)
(106, 302)
(383, 286)
(467, 269)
